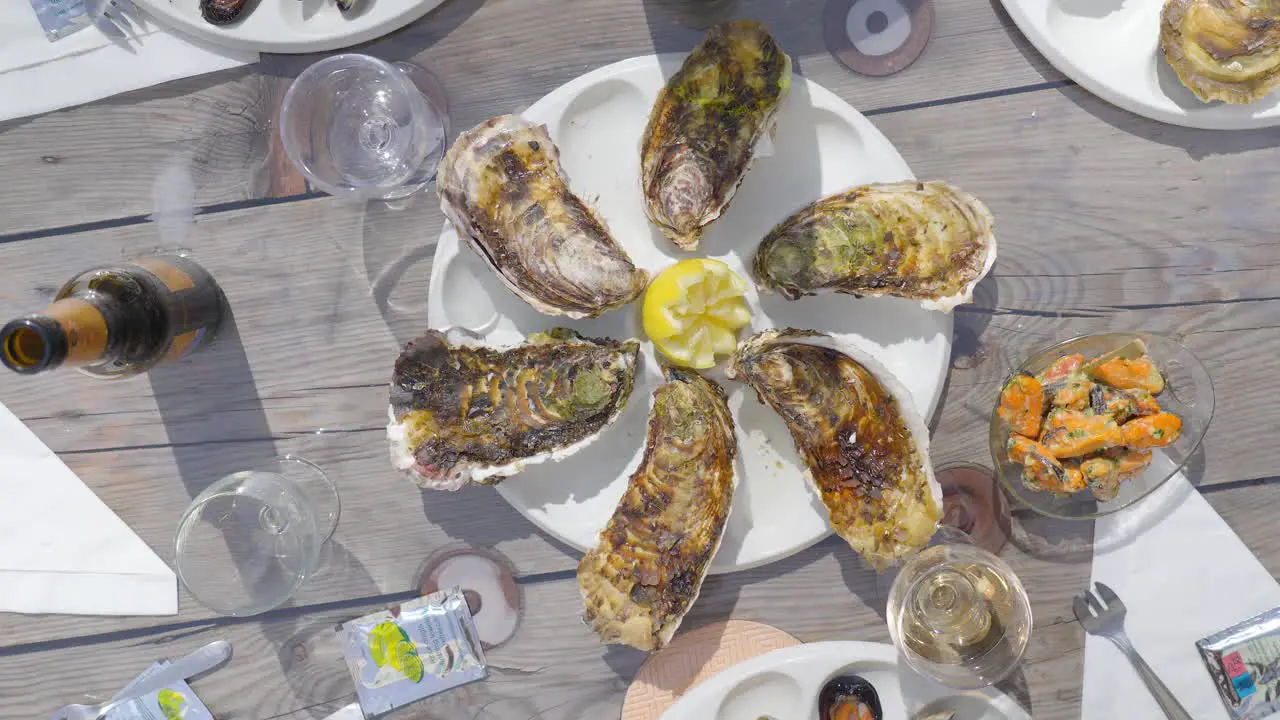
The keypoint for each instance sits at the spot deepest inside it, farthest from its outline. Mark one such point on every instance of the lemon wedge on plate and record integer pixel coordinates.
(693, 311)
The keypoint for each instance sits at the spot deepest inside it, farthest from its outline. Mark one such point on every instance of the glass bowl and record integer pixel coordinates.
(1188, 394)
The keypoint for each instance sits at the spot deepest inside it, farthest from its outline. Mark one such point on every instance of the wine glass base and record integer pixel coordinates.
(318, 489)
(489, 585)
(972, 502)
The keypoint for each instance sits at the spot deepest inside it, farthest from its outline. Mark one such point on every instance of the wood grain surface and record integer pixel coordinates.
(1106, 222)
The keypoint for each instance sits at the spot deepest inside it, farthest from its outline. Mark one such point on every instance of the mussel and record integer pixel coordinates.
(221, 12)
(849, 697)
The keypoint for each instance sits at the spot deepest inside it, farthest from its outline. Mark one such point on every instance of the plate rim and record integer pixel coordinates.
(171, 16)
(1035, 32)
(563, 96)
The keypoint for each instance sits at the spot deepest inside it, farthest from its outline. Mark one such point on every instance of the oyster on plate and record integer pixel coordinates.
(927, 241)
(705, 125)
(1225, 50)
(464, 414)
(647, 567)
(502, 187)
(864, 445)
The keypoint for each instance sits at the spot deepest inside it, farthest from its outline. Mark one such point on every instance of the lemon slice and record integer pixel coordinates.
(693, 310)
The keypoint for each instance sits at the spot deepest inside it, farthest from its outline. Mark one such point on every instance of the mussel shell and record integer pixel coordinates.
(221, 12)
(847, 689)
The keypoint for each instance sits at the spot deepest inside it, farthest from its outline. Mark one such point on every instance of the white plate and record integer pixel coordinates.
(291, 26)
(784, 684)
(1112, 48)
(822, 146)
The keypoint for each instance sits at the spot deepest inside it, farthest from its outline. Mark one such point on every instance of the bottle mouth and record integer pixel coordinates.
(26, 346)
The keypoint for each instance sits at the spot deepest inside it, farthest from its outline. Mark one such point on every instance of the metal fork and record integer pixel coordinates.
(113, 16)
(1104, 616)
(200, 661)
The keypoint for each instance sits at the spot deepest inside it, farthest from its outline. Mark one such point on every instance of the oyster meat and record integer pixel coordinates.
(1226, 50)
(464, 414)
(647, 567)
(703, 129)
(502, 187)
(864, 445)
(928, 241)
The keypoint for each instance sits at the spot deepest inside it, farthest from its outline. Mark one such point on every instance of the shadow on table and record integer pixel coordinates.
(1074, 541)
(678, 25)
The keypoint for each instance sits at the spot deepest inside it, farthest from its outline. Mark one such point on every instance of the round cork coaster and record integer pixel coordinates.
(693, 657)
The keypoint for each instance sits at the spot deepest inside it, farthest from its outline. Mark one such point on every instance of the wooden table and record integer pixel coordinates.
(1106, 222)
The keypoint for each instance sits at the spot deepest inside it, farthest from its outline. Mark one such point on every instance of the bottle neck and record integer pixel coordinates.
(72, 331)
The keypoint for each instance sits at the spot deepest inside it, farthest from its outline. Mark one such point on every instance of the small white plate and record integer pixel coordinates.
(1112, 48)
(784, 684)
(822, 146)
(291, 26)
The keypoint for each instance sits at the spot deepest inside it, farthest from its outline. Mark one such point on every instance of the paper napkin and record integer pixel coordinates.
(62, 550)
(1182, 574)
(38, 76)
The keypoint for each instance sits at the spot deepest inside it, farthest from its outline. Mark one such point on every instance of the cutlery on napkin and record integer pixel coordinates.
(62, 550)
(1183, 575)
(38, 76)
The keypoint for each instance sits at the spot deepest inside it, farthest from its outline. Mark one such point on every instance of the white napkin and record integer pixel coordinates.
(62, 550)
(1183, 575)
(38, 76)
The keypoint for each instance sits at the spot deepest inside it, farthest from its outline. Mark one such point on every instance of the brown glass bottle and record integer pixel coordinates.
(119, 320)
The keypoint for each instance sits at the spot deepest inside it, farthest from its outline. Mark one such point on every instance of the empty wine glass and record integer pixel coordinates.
(247, 543)
(356, 126)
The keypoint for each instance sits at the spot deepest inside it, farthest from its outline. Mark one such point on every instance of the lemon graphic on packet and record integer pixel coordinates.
(384, 639)
(693, 310)
(408, 662)
(170, 703)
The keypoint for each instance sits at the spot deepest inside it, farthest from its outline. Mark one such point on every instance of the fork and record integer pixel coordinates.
(195, 663)
(112, 16)
(1104, 616)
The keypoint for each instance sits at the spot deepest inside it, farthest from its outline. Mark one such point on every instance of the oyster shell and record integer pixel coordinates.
(928, 241)
(864, 445)
(502, 187)
(703, 129)
(1225, 50)
(464, 414)
(645, 572)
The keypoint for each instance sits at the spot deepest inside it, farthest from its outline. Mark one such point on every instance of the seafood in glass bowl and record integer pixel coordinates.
(1092, 425)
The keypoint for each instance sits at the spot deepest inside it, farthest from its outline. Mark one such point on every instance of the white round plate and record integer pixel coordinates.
(1112, 48)
(784, 684)
(291, 26)
(822, 146)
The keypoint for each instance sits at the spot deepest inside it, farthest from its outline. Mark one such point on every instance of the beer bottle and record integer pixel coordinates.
(119, 320)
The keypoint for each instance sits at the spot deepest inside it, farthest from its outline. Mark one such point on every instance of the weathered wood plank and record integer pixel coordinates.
(553, 668)
(104, 160)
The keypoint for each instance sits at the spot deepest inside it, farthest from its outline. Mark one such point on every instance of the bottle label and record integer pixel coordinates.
(85, 327)
(172, 277)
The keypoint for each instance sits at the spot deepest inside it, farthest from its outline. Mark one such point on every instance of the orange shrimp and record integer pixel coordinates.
(1044, 472)
(1022, 405)
(1072, 392)
(1061, 368)
(1082, 434)
(1129, 374)
(1152, 431)
(1103, 476)
(1019, 448)
(1129, 463)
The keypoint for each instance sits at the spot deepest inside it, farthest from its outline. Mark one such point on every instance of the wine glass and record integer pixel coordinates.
(356, 126)
(958, 614)
(246, 544)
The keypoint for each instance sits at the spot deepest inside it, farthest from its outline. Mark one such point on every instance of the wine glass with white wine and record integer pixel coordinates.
(958, 614)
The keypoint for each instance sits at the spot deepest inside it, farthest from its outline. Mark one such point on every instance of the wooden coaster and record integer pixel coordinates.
(693, 657)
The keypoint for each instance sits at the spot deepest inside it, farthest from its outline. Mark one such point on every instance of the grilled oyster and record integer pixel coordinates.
(464, 414)
(1225, 50)
(924, 240)
(645, 572)
(864, 444)
(704, 127)
(502, 187)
